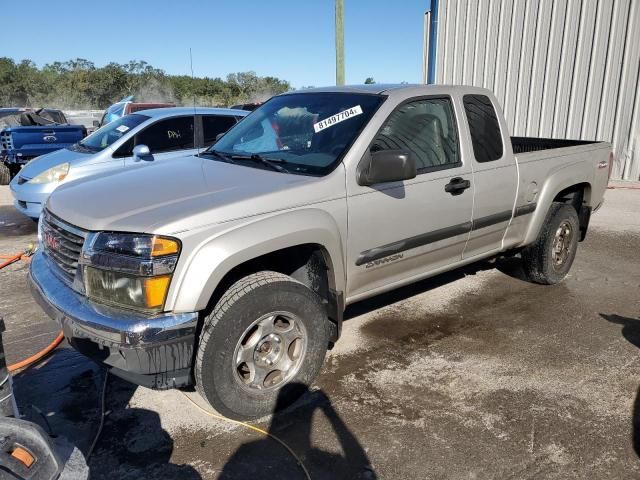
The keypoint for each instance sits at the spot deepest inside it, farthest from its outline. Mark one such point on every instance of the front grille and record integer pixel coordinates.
(62, 243)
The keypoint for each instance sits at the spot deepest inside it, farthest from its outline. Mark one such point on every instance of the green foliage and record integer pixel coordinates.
(79, 84)
(369, 81)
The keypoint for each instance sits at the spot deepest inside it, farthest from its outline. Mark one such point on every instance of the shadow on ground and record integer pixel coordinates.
(266, 459)
(133, 443)
(631, 332)
(63, 396)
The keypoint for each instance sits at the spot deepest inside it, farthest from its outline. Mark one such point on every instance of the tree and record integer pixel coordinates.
(369, 81)
(79, 83)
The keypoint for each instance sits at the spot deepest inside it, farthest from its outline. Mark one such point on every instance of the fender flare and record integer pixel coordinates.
(216, 257)
(558, 181)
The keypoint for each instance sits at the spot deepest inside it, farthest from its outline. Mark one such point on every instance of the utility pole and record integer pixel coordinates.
(339, 42)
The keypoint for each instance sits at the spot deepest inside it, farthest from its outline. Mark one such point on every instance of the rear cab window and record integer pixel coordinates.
(484, 128)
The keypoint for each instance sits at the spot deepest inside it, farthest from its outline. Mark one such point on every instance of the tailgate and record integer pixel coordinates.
(603, 165)
(48, 138)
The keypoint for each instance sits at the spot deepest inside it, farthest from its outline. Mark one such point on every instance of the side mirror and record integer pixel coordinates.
(386, 166)
(142, 152)
(219, 136)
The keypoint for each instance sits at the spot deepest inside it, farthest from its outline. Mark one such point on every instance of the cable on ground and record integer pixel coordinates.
(103, 398)
(255, 429)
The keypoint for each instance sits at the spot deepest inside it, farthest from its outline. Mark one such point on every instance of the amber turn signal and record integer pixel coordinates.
(155, 290)
(164, 246)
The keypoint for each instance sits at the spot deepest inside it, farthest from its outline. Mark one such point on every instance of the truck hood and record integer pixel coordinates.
(179, 195)
(44, 162)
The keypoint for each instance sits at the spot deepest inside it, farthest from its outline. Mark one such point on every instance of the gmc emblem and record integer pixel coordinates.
(50, 241)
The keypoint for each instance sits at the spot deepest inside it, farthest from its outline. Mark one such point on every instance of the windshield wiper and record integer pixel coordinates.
(217, 153)
(269, 162)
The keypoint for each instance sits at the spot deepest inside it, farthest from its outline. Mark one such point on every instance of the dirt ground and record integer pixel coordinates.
(472, 374)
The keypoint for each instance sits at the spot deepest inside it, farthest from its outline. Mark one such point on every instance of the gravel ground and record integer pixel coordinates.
(472, 374)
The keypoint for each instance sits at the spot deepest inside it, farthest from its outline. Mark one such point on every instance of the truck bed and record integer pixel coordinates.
(535, 144)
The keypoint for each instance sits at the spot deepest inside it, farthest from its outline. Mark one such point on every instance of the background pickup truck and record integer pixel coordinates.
(127, 106)
(234, 275)
(26, 134)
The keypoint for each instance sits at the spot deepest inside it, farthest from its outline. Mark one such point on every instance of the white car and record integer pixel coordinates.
(135, 139)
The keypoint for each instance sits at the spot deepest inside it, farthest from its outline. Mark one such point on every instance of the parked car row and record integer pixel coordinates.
(27, 133)
(131, 140)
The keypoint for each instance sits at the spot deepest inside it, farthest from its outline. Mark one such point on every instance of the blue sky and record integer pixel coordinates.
(290, 39)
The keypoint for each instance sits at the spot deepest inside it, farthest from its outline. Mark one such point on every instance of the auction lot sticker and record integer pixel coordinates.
(337, 118)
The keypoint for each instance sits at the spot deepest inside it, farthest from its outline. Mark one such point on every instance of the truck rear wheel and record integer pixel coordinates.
(261, 346)
(548, 260)
(5, 174)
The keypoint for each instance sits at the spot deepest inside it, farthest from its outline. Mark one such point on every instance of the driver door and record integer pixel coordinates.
(399, 231)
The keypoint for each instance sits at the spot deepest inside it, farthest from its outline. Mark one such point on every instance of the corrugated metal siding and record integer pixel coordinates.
(561, 68)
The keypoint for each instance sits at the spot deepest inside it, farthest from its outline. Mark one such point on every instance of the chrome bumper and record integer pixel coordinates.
(152, 351)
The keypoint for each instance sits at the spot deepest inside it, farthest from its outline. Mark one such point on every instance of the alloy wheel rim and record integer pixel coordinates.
(270, 352)
(562, 242)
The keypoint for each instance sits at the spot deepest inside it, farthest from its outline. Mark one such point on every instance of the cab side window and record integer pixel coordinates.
(427, 129)
(484, 128)
(168, 135)
(212, 126)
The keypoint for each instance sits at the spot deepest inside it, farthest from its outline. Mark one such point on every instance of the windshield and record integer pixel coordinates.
(110, 133)
(306, 133)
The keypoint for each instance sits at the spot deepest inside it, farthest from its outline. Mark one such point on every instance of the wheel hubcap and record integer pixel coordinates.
(562, 244)
(270, 351)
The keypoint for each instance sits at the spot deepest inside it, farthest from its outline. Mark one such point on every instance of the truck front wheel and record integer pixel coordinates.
(261, 346)
(548, 259)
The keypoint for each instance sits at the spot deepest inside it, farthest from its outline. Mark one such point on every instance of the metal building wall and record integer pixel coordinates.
(561, 68)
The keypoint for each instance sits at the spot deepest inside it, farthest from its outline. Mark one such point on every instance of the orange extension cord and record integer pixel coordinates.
(27, 362)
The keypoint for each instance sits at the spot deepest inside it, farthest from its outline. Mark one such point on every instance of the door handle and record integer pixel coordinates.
(457, 186)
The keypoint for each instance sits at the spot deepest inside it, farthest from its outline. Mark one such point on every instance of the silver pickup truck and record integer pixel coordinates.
(234, 274)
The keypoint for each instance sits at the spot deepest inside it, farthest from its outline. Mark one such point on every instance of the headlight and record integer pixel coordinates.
(122, 290)
(130, 270)
(143, 245)
(54, 174)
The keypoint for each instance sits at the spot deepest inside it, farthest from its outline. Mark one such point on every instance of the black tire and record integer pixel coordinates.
(540, 262)
(5, 174)
(253, 297)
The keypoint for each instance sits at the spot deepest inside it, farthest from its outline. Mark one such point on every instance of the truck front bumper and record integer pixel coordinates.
(156, 352)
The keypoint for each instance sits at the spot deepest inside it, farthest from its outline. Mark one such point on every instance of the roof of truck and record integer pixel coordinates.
(364, 88)
(378, 88)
